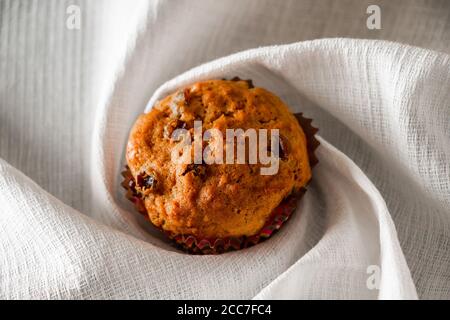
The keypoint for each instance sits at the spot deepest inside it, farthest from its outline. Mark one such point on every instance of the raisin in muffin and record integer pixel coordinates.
(211, 201)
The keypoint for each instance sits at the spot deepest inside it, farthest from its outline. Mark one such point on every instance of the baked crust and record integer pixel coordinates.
(217, 200)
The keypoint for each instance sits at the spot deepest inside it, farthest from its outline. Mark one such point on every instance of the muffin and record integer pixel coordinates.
(218, 165)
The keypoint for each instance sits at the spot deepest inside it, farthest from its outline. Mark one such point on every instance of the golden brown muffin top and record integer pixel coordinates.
(214, 200)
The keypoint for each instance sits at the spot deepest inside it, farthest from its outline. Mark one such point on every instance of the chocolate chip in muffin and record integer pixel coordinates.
(249, 81)
(282, 148)
(199, 170)
(146, 181)
(172, 126)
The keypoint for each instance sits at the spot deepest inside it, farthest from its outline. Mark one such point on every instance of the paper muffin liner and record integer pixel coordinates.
(277, 218)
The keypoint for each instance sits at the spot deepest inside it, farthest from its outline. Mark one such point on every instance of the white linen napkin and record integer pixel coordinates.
(382, 103)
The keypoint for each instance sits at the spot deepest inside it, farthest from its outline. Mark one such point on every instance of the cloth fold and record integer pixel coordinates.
(381, 103)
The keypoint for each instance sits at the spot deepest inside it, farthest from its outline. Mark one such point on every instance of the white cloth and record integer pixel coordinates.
(383, 104)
